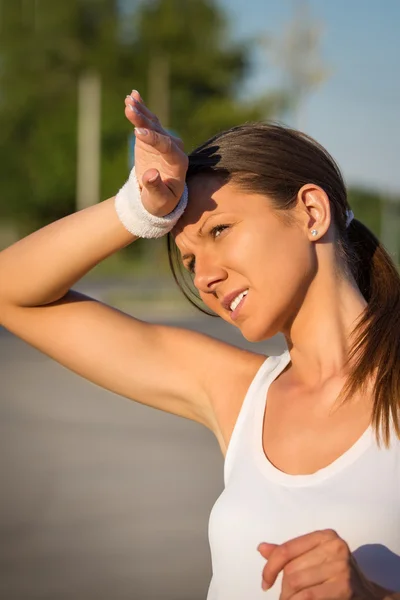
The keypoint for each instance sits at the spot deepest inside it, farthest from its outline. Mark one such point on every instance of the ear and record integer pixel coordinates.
(314, 210)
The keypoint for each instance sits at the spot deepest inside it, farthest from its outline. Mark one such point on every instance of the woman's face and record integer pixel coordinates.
(249, 265)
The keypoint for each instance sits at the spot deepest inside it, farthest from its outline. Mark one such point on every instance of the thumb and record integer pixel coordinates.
(266, 549)
(157, 198)
(151, 178)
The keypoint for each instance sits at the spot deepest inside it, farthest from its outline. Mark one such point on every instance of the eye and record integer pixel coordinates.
(191, 266)
(217, 230)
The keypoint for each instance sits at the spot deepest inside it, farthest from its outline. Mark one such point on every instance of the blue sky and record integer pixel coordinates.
(355, 114)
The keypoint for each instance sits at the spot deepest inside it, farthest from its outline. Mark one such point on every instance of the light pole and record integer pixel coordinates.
(88, 151)
(297, 54)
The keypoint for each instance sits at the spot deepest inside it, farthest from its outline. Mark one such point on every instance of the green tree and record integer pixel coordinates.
(181, 46)
(44, 47)
(204, 68)
(367, 207)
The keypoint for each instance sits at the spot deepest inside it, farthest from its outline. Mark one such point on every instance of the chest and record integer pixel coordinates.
(303, 433)
(360, 501)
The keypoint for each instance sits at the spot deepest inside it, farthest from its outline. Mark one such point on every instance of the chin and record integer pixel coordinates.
(255, 334)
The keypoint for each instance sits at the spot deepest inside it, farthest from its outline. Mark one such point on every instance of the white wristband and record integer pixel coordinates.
(136, 219)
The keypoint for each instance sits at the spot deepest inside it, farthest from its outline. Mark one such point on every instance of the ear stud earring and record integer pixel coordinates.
(314, 232)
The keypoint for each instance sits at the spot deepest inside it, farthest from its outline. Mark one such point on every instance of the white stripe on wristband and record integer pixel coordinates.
(136, 219)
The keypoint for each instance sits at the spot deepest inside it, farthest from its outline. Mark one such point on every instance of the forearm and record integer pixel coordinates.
(42, 267)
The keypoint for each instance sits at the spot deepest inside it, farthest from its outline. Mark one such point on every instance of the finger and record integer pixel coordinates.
(135, 94)
(151, 179)
(157, 197)
(330, 590)
(333, 549)
(137, 103)
(305, 561)
(139, 119)
(285, 553)
(304, 579)
(130, 100)
(162, 143)
(265, 549)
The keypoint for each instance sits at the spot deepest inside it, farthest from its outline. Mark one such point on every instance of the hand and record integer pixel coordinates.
(160, 162)
(317, 566)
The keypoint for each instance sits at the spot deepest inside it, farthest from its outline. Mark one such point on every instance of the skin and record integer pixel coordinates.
(224, 237)
(318, 565)
(300, 284)
(296, 286)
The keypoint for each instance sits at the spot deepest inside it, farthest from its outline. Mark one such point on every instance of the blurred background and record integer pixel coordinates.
(100, 497)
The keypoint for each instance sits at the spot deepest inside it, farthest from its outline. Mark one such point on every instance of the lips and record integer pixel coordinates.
(228, 299)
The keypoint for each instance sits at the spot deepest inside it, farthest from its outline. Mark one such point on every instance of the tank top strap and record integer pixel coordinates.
(256, 395)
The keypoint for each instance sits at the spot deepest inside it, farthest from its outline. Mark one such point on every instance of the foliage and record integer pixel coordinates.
(367, 207)
(44, 48)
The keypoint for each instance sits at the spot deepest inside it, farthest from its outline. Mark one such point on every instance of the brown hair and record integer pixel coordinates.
(277, 161)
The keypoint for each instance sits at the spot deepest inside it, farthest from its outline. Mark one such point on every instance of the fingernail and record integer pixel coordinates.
(135, 92)
(141, 131)
(153, 179)
(265, 585)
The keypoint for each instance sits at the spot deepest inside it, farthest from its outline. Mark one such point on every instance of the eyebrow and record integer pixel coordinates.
(200, 233)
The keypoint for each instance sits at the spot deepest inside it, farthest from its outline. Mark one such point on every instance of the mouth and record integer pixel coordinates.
(234, 302)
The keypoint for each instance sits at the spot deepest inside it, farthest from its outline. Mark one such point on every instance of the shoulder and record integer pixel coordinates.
(227, 391)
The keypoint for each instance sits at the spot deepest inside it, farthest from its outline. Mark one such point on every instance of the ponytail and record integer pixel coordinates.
(276, 161)
(376, 348)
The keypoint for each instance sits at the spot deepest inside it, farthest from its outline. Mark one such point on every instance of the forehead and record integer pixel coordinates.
(209, 196)
(206, 193)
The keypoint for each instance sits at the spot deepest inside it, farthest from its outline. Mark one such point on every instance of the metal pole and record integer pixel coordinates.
(88, 154)
(159, 87)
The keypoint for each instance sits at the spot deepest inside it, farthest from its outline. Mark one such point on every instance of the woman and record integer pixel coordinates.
(311, 506)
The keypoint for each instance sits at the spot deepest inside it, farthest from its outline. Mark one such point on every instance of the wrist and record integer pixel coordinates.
(134, 216)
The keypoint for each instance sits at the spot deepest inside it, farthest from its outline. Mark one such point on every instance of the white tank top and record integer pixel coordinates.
(358, 495)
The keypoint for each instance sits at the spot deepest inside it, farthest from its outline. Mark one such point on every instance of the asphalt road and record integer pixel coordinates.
(101, 498)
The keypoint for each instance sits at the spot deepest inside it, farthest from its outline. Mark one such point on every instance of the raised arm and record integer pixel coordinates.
(175, 370)
(41, 268)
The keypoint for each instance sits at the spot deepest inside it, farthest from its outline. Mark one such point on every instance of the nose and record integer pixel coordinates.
(208, 274)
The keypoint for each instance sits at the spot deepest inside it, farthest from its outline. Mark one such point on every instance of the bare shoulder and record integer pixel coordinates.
(175, 370)
(222, 371)
(229, 380)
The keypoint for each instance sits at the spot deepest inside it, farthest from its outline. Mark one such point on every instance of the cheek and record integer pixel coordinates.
(281, 277)
(277, 254)
(210, 302)
(278, 265)
(288, 266)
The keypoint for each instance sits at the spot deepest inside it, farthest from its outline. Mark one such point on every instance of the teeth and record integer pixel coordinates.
(235, 303)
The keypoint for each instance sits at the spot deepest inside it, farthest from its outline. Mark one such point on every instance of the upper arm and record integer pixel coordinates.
(175, 370)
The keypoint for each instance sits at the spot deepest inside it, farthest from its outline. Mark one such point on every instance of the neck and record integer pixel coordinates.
(319, 338)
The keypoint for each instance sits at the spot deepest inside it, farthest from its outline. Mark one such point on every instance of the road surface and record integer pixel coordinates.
(101, 498)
